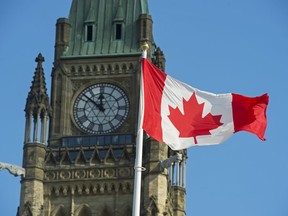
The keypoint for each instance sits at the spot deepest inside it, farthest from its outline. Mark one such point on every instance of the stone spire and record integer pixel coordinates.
(159, 59)
(37, 101)
(37, 106)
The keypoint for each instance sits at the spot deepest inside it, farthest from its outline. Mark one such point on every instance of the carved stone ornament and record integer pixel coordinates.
(99, 173)
(88, 188)
(13, 169)
(101, 69)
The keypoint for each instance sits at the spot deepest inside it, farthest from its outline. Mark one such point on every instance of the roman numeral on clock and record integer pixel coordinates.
(90, 126)
(118, 117)
(82, 119)
(122, 107)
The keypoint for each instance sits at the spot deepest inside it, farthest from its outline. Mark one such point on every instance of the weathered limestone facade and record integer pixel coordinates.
(79, 172)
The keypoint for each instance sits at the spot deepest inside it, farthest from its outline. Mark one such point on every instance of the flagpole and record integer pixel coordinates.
(139, 146)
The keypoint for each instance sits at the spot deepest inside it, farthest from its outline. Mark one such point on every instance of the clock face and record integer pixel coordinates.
(100, 108)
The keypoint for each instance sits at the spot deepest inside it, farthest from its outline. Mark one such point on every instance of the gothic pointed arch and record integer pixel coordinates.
(117, 68)
(95, 159)
(27, 209)
(59, 211)
(152, 208)
(124, 156)
(87, 69)
(110, 157)
(83, 210)
(81, 159)
(66, 160)
(50, 159)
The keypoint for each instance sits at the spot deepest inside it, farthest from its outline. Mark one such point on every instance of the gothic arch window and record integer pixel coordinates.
(84, 211)
(27, 209)
(152, 207)
(59, 211)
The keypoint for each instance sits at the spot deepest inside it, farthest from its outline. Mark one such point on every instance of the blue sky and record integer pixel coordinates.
(218, 46)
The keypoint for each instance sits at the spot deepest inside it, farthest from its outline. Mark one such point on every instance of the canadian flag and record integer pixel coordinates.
(182, 116)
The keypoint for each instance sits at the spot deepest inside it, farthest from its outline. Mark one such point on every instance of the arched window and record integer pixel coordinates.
(84, 211)
(59, 211)
(27, 210)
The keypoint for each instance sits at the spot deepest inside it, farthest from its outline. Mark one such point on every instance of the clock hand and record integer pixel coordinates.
(99, 106)
(101, 97)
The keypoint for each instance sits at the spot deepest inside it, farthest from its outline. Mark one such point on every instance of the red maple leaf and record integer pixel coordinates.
(191, 123)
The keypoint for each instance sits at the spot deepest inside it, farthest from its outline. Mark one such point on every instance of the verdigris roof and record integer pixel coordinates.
(103, 15)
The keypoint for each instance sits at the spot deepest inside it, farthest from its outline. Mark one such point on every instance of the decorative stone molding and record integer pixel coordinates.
(88, 188)
(101, 69)
(89, 173)
(99, 155)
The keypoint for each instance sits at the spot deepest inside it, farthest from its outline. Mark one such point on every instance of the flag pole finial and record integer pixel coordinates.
(145, 46)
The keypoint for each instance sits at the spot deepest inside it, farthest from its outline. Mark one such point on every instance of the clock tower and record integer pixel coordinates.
(87, 165)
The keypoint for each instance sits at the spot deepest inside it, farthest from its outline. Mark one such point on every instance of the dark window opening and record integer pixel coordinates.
(118, 33)
(62, 33)
(89, 33)
(144, 29)
(116, 139)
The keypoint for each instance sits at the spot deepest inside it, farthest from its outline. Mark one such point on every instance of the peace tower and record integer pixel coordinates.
(86, 168)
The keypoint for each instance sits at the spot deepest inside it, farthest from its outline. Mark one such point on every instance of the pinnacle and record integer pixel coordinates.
(39, 59)
(37, 97)
(38, 83)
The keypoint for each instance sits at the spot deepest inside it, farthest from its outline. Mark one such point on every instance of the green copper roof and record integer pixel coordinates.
(94, 25)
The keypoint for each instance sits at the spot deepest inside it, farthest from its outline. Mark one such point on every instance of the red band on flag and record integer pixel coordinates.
(249, 114)
(154, 81)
